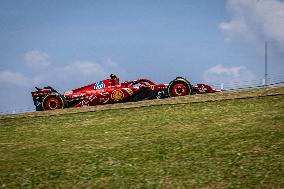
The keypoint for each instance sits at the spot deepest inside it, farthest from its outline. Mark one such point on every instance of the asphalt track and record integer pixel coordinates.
(225, 95)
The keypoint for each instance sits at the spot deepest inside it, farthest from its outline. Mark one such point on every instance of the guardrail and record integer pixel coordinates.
(273, 80)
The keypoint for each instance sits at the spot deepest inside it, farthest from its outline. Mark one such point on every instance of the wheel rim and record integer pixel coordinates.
(179, 90)
(52, 104)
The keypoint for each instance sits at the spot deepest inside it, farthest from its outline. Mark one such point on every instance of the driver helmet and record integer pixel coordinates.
(113, 76)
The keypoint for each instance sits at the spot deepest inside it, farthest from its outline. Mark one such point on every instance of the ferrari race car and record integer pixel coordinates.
(110, 91)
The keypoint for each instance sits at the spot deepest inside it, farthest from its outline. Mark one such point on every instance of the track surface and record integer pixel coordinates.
(226, 95)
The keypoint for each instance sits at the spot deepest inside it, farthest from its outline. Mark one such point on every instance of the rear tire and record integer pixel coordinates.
(179, 87)
(53, 102)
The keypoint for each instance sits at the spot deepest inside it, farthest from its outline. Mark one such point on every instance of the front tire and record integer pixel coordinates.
(53, 102)
(179, 87)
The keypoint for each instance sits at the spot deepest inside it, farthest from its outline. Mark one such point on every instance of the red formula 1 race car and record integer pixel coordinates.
(111, 91)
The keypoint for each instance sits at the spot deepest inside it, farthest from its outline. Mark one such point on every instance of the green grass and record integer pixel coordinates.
(225, 144)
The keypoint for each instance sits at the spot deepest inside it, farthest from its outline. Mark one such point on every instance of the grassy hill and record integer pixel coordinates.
(228, 140)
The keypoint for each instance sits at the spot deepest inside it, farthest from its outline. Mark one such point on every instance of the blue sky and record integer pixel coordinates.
(68, 43)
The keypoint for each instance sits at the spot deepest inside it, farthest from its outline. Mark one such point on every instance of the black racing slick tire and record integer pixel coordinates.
(53, 102)
(179, 87)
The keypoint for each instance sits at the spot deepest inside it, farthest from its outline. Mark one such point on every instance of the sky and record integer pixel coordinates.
(68, 43)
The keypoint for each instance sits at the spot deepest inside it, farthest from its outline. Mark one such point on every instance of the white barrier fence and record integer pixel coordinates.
(277, 80)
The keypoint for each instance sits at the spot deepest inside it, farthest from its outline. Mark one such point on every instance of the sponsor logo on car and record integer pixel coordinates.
(104, 100)
(129, 91)
(99, 85)
(117, 95)
(68, 92)
(37, 103)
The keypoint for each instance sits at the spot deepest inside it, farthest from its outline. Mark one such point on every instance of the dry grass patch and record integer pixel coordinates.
(224, 144)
